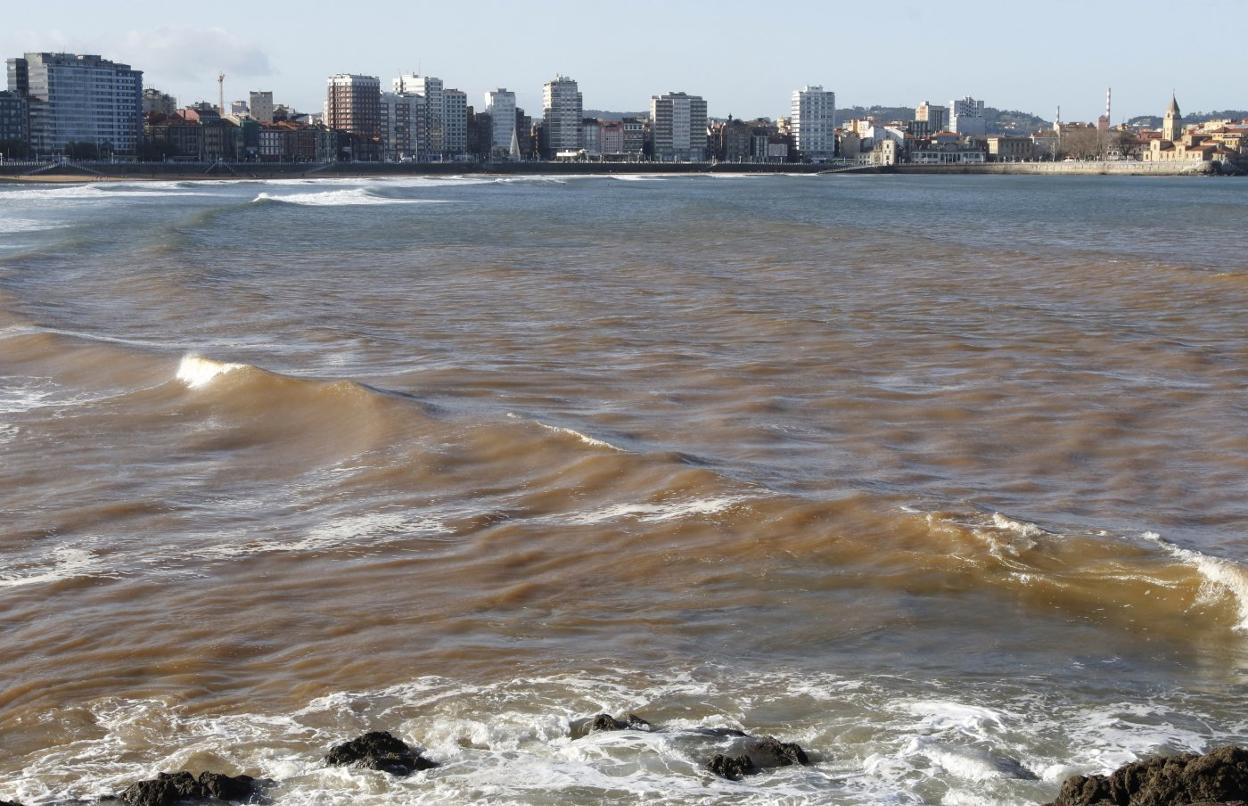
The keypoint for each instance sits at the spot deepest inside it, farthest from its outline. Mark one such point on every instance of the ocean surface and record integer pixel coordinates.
(944, 478)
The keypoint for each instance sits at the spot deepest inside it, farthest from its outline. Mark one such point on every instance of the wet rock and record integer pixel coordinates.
(734, 768)
(1219, 777)
(605, 722)
(752, 754)
(379, 751)
(771, 752)
(225, 787)
(170, 788)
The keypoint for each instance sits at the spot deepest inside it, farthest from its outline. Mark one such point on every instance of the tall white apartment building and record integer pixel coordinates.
(814, 122)
(678, 126)
(79, 99)
(431, 89)
(966, 117)
(562, 107)
(501, 106)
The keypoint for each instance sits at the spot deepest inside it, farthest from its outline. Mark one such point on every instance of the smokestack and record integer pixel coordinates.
(221, 94)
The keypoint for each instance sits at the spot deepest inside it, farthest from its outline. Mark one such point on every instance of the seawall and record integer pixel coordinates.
(1125, 168)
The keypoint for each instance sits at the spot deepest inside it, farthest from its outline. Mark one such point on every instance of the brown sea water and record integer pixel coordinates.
(941, 477)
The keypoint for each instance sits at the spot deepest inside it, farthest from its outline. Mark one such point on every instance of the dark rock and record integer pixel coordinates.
(734, 768)
(163, 790)
(169, 788)
(754, 755)
(771, 752)
(606, 722)
(1219, 777)
(379, 751)
(9, 803)
(224, 787)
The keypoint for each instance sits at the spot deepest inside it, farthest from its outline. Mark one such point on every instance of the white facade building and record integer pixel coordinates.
(433, 143)
(501, 106)
(814, 122)
(562, 107)
(966, 117)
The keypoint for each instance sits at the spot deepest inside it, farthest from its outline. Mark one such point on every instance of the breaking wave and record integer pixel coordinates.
(340, 198)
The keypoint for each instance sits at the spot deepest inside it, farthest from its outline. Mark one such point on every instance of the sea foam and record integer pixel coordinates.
(197, 372)
(339, 198)
(1224, 575)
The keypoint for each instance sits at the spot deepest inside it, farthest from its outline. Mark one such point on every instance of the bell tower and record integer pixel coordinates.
(1172, 128)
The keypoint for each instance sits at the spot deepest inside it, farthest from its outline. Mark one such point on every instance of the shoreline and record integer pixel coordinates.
(182, 173)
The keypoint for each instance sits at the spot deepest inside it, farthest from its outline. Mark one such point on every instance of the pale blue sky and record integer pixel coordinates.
(744, 57)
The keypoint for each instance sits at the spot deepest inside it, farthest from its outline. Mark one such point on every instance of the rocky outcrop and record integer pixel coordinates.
(1221, 777)
(734, 768)
(170, 788)
(379, 751)
(752, 755)
(9, 803)
(606, 722)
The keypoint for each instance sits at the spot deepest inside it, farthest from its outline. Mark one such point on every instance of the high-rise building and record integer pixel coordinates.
(966, 117)
(261, 106)
(77, 98)
(431, 89)
(240, 109)
(455, 123)
(563, 107)
(814, 122)
(402, 126)
(353, 104)
(936, 117)
(14, 124)
(678, 127)
(156, 102)
(500, 104)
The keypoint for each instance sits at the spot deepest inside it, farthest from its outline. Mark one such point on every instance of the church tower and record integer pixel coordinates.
(1172, 128)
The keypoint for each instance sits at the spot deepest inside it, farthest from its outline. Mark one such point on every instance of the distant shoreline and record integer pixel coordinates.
(347, 170)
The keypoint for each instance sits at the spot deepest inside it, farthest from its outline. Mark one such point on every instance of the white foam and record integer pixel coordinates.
(657, 513)
(23, 393)
(93, 192)
(197, 372)
(1022, 528)
(507, 741)
(66, 563)
(588, 440)
(1225, 576)
(340, 198)
(964, 762)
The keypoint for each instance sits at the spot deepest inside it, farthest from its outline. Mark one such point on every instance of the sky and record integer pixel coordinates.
(745, 58)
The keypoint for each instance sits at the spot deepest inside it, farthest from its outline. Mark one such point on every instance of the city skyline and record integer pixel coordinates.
(1071, 54)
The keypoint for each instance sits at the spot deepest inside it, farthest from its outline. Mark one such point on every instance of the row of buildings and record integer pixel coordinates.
(86, 106)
